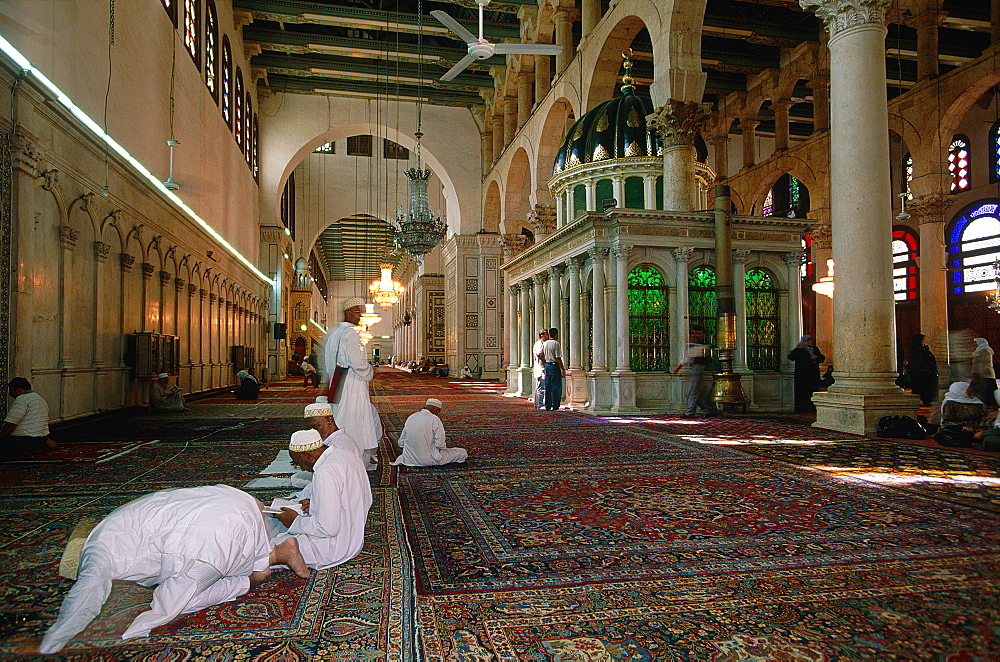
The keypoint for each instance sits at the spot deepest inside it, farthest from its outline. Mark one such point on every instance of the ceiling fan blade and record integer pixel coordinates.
(455, 26)
(529, 49)
(459, 67)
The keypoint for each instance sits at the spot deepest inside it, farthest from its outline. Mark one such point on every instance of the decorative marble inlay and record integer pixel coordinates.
(491, 303)
(472, 321)
(492, 263)
(491, 342)
(471, 284)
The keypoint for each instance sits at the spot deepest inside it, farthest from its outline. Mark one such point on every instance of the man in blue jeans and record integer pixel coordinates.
(551, 358)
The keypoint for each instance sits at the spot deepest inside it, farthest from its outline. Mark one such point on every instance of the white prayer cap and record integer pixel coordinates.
(353, 302)
(433, 402)
(305, 440)
(162, 375)
(319, 408)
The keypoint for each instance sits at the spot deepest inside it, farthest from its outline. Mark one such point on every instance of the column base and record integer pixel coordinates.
(576, 388)
(858, 413)
(623, 382)
(600, 392)
(520, 382)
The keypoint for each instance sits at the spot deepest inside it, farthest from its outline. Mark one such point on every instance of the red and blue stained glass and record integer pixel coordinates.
(958, 163)
(904, 265)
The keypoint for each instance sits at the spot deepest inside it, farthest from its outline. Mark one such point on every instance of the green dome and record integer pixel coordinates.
(615, 129)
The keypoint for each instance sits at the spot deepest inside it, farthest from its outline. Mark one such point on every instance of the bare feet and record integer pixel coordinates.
(287, 553)
(259, 577)
(51, 444)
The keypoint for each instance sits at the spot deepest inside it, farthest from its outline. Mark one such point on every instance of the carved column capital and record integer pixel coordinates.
(930, 208)
(211, 298)
(793, 258)
(513, 290)
(576, 263)
(822, 236)
(101, 251)
(179, 284)
(539, 279)
(555, 272)
(164, 277)
(543, 220)
(621, 251)
(48, 179)
(203, 293)
(741, 256)
(841, 15)
(598, 254)
(125, 261)
(27, 153)
(683, 254)
(68, 237)
(147, 270)
(678, 122)
(192, 289)
(513, 244)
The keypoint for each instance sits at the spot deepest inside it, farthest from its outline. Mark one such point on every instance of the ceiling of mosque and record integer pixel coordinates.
(395, 49)
(353, 247)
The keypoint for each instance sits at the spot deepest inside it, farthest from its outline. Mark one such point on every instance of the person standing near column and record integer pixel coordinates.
(539, 371)
(352, 407)
(696, 358)
(551, 355)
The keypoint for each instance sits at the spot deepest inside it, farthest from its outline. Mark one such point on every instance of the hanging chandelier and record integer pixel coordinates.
(419, 230)
(369, 318)
(365, 338)
(386, 291)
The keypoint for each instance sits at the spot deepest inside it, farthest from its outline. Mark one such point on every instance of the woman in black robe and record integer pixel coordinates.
(807, 358)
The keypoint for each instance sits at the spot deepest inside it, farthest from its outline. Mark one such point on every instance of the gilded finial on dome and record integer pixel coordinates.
(627, 87)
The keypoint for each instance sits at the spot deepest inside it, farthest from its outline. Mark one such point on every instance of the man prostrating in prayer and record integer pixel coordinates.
(200, 546)
(330, 529)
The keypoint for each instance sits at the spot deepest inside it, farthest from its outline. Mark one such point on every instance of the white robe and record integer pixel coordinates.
(339, 498)
(423, 442)
(199, 545)
(355, 413)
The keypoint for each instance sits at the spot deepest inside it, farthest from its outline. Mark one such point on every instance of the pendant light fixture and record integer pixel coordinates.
(386, 291)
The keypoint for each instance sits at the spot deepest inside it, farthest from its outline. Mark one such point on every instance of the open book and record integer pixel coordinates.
(278, 504)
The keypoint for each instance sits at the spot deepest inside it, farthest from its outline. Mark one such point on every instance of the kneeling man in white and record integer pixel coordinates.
(422, 439)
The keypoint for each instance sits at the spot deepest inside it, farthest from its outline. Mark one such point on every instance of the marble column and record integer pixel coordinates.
(926, 24)
(749, 129)
(822, 250)
(618, 190)
(576, 376)
(543, 76)
(498, 138)
(514, 340)
(793, 310)
(510, 120)
(721, 145)
(930, 210)
(649, 192)
(677, 124)
(524, 101)
(487, 150)
(599, 387)
(526, 384)
(861, 220)
(679, 331)
(623, 379)
(538, 316)
(780, 108)
(591, 188)
(591, 14)
(740, 258)
(564, 38)
(555, 300)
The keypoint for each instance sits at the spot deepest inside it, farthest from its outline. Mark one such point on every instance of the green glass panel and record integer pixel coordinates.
(701, 304)
(659, 192)
(604, 190)
(634, 193)
(579, 200)
(649, 336)
(763, 321)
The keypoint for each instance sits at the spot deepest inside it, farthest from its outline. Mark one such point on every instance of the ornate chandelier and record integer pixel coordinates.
(365, 338)
(369, 318)
(386, 291)
(419, 230)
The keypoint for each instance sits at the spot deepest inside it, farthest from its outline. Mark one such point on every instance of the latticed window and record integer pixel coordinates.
(904, 265)
(763, 321)
(227, 82)
(648, 320)
(393, 150)
(327, 148)
(212, 50)
(238, 108)
(192, 19)
(995, 153)
(974, 246)
(908, 176)
(248, 130)
(701, 301)
(958, 163)
(359, 145)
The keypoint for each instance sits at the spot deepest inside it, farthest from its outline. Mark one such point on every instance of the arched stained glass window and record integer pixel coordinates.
(794, 192)
(904, 264)
(648, 320)
(192, 30)
(248, 130)
(238, 107)
(226, 84)
(212, 50)
(806, 270)
(763, 321)
(701, 301)
(995, 153)
(254, 166)
(768, 208)
(973, 247)
(907, 176)
(958, 163)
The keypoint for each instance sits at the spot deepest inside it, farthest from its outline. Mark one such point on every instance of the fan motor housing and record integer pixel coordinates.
(482, 50)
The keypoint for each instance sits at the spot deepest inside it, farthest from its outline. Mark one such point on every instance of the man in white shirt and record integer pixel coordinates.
(163, 399)
(539, 368)
(353, 409)
(26, 427)
(330, 529)
(551, 357)
(199, 546)
(319, 416)
(422, 439)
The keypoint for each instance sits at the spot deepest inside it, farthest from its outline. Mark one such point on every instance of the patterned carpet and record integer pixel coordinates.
(563, 537)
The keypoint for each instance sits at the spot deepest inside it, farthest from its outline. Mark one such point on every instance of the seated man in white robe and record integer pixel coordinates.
(200, 546)
(422, 439)
(319, 416)
(162, 398)
(330, 529)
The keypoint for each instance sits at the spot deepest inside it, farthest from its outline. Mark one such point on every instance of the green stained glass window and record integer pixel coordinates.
(635, 194)
(701, 301)
(763, 321)
(648, 323)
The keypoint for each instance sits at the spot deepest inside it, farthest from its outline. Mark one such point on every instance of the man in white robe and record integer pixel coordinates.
(353, 411)
(200, 546)
(330, 529)
(319, 416)
(422, 439)
(539, 368)
(166, 399)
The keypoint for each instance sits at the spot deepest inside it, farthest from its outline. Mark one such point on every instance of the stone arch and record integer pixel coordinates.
(84, 206)
(491, 208)
(518, 190)
(604, 79)
(553, 134)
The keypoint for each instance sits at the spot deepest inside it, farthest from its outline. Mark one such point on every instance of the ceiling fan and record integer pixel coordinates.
(480, 49)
